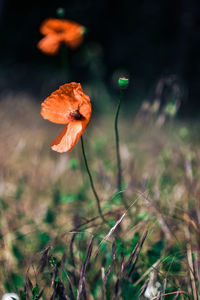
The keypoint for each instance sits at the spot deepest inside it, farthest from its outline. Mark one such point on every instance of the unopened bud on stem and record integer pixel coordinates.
(60, 12)
(123, 82)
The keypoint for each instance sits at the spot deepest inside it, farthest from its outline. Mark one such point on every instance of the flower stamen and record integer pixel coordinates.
(75, 115)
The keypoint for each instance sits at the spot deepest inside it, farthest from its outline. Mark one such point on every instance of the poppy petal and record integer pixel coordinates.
(49, 44)
(68, 98)
(50, 26)
(73, 35)
(69, 136)
(73, 39)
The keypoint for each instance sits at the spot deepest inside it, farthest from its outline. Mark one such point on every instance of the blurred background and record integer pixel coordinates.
(45, 195)
(146, 40)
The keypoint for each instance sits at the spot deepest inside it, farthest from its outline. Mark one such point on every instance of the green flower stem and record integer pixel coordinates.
(119, 175)
(91, 180)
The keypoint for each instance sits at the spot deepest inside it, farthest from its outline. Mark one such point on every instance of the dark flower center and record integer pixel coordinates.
(60, 30)
(75, 115)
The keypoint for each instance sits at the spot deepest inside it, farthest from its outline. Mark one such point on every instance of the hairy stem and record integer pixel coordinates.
(119, 175)
(91, 180)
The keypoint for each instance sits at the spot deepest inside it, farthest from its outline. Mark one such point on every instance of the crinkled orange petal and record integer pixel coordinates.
(68, 98)
(49, 44)
(69, 136)
(74, 35)
(68, 31)
(74, 42)
(50, 26)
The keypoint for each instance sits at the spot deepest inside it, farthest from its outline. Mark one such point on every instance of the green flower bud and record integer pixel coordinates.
(60, 12)
(123, 82)
(84, 30)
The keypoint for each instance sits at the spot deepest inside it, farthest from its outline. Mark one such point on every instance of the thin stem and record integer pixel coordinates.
(119, 175)
(91, 180)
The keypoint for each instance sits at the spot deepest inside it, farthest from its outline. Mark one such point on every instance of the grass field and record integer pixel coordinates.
(54, 245)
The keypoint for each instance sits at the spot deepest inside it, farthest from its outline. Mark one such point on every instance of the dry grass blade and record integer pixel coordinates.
(27, 291)
(29, 283)
(153, 267)
(121, 269)
(70, 287)
(190, 264)
(127, 265)
(84, 291)
(63, 259)
(158, 296)
(104, 286)
(71, 247)
(44, 259)
(104, 279)
(117, 289)
(137, 254)
(107, 274)
(114, 251)
(59, 291)
(55, 272)
(159, 215)
(110, 233)
(88, 254)
(84, 269)
(114, 227)
(176, 296)
(163, 288)
(40, 294)
(172, 293)
(117, 285)
(53, 296)
(143, 289)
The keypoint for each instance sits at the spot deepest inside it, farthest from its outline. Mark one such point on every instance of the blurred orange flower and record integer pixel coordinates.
(67, 105)
(57, 31)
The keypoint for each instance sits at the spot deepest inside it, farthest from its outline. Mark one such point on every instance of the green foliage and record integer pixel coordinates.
(116, 199)
(3, 204)
(184, 133)
(19, 236)
(142, 216)
(44, 238)
(50, 216)
(171, 109)
(73, 164)
(68, 198)
(129, 291)
(172, 264)
(56, 196)
(120, 247)
(99, 146)
(17, 280)
(53, 261)
(22, 295)
(158, 172)
(155, 252)
(35, 292)
(17, 253)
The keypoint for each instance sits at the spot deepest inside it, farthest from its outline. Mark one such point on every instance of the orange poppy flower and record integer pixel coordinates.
(67, 105)
(57, 31)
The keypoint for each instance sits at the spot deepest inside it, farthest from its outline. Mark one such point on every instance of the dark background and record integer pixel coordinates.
(146, 39)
